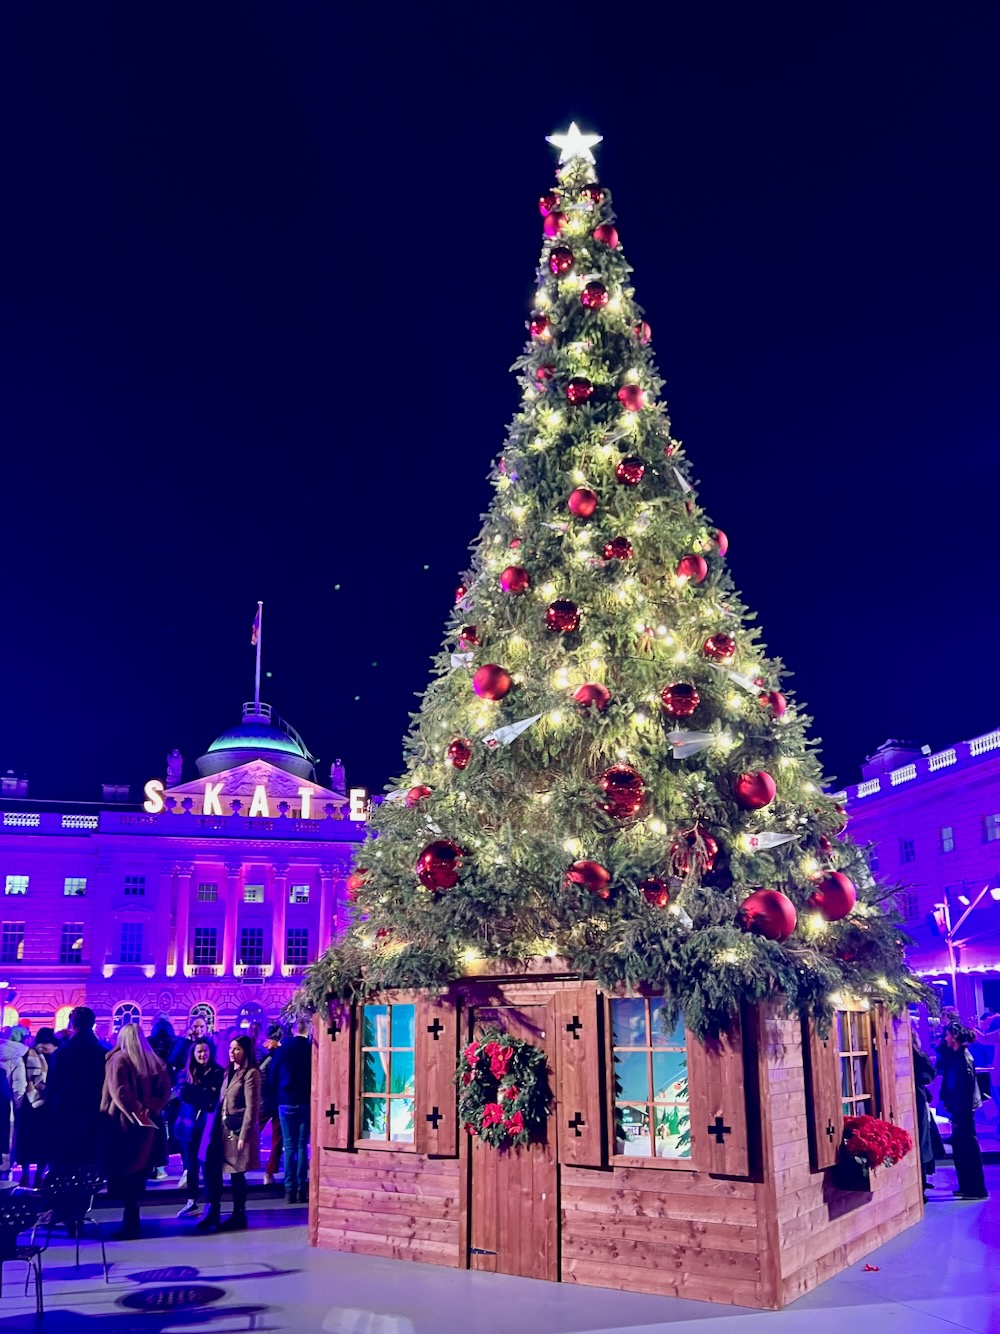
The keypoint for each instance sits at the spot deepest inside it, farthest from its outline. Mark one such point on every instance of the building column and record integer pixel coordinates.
(279, 891)
(102, 921)
(182, 917)
(328, 928)
(234, 881)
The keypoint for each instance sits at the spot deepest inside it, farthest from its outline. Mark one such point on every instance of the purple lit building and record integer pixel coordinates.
(934, 823)
(211, 897)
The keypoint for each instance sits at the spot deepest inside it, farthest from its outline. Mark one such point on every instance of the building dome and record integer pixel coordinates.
(262, 735)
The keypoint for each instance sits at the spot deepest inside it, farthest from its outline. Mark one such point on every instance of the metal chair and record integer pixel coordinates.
(66, 1199)
(19, 1214)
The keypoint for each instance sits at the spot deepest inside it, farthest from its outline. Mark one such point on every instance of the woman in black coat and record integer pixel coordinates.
(961, 1097)
(197, 1094)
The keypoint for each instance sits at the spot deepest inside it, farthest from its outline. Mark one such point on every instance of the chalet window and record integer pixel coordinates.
(251, 944)
(12, 942)
(991, 828)
(71, 943)
(652, 1115)
(253, 893)
(75, 886)
(206, 945)
(208, 893)
(907, 851)
(16, 884)
(947, 833)
(387, 1065)
(298, 894)
(854, 1051)
(135, 886)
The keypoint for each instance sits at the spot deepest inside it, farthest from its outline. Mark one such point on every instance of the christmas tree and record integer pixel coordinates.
(606, 769)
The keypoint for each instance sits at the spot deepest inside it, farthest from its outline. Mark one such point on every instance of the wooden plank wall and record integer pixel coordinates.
(816, 1230)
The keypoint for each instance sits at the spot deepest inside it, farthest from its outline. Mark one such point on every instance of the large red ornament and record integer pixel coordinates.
(619, 548)
(562, 616)
(692, 567)
(720, 648)
(560, 259)
(630, 470)
(632, 397)
(834, 896)
(582, 502)
(515, 579)
(491, 682)
(768, 913)
(540, 327)
(355, 882)
(593, 693)
(643, 332)
(468, 636)
(720, 541)
(754, 790)
(416, 795)
(579, 389)
(655, 891)
(548, 203)
(696, 849)
(459, 753)
(606, 235)
(624, 791)
(460, 592)
(594, 296)
(555, 224)
(775, 701)
(591, 876)
(438, 865)
(680, 699)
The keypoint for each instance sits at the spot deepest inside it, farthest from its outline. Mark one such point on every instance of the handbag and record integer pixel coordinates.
(851, 1172)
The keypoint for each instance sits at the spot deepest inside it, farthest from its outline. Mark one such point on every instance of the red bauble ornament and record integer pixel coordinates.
(834, 896)
(555, 224)
(680, 699)
(459, 753)
(824, 845)
(720, 648)
(543, 374)
(767, 913)
(593, 693)
(548, 203)
(460, 592)
(582, 502)
(697, 848)
(624, 791)
(438, 865)
(515, 544)
(562, 616)
(842, 822)
(631, 397)
(591, 876)
(468, 636)
(692, 567)
(643, 332)
(775, 701)
(754, 790)
(594, 296)
(540, 326)
(655, 891)
(515, 579)
(606, 235)
(720, 541)
(579, 389)
(416, 795)
(593, 193)
(630, 470)
(560, 259)
(619, 548)
(355, 882)
(491, 682)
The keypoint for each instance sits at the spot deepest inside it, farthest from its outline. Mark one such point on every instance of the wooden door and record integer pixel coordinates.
(513, 1194)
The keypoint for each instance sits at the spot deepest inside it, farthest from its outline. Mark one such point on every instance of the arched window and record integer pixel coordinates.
(126, 1012)
(250, 1013)
(62, 1017)
(203, 1011)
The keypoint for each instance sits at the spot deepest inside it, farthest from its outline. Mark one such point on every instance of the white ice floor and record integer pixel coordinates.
(941, 1277)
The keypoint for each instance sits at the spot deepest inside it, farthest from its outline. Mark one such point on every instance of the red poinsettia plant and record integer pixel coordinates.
(879, 1143)
(503, 1092)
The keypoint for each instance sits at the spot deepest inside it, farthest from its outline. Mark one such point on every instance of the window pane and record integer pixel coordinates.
(673, 1137)
(373, 1118)
(632, 1136)
(629, 1017)
(632, 1076)
(402, 1025)
(859, 1074)
(401, 1119)
(402, 1072)
(662, 1035)
(376, 1065)
(375, 1028)
(669, 1076)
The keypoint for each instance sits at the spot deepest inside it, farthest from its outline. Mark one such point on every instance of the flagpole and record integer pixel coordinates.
(256, 680)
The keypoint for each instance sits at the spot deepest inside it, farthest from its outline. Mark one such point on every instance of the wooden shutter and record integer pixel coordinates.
(579, 1099)
(436, 1055)
(825, 1111)
(333, 1094)
(884, 1050)
(717, 1090)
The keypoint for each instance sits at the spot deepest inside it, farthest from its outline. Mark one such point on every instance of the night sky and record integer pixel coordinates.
(264, 270)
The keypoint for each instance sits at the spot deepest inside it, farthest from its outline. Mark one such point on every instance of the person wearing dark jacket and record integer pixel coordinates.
(197, 1095)
(269, 1101)
(291, 1079)
(960, 1095)
(73, 1088)
(923, 1075)
(136, 1089)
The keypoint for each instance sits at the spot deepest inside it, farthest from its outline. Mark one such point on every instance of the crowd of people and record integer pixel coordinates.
(68, 1100)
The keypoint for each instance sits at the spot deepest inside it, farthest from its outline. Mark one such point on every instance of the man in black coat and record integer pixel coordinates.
(290, 1084)
(73, 1094)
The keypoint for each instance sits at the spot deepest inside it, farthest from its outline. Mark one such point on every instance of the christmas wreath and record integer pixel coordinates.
(503, 1092)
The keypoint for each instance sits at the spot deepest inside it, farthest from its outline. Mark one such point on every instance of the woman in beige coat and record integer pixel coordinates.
(231, 1142)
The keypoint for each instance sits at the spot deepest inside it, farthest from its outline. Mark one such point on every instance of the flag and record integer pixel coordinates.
(255, 630)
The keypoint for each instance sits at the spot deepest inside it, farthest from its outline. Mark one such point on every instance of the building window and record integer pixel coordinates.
(75, 886)
(71, 943)
(909, 906)
(16, 884)
(203, 1011)
(206, 945)
(854, 1047)
(251, 944)
(297, 946)
(991, 836)
(947, 838)
(872, 855)
(907, 852)
(125, 1013)
(131, 943)
(387, 1059)
(652, 1106)
(298, 894)
(12, 942)
(253, 893)
(135, 886)
(208, 893)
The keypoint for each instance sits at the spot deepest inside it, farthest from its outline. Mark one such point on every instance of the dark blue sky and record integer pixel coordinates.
(264, 270)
